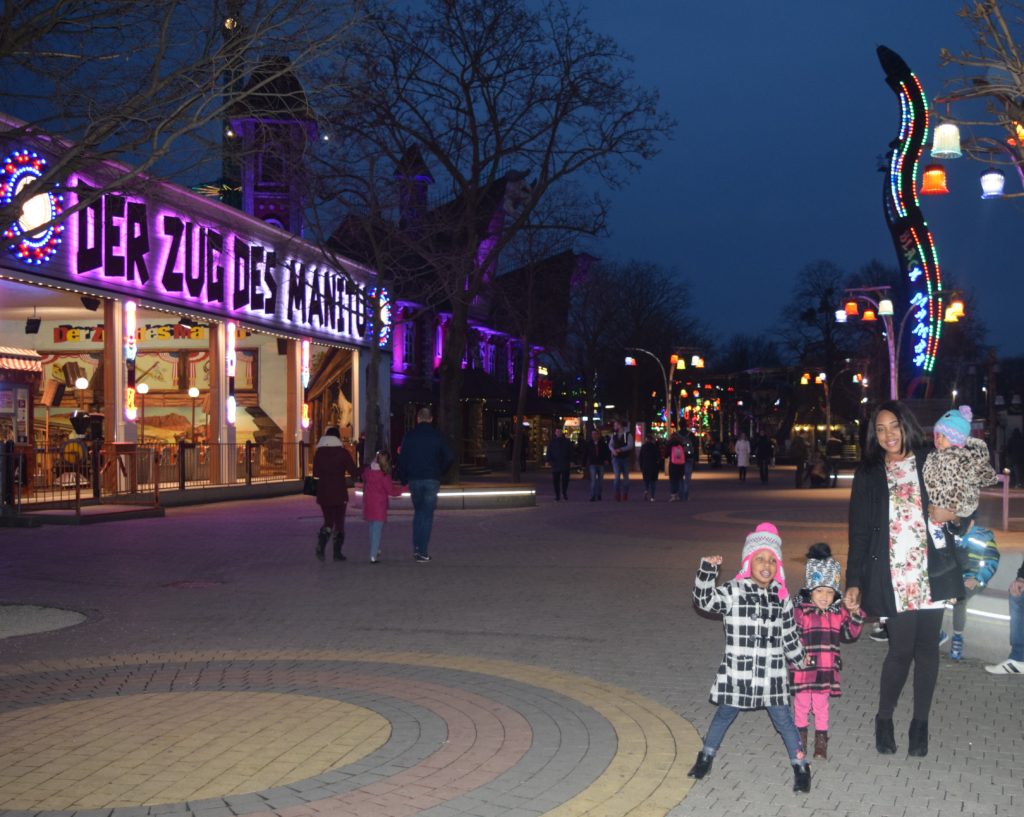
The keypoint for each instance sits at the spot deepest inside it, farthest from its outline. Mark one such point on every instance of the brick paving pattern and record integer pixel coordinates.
(547, 662)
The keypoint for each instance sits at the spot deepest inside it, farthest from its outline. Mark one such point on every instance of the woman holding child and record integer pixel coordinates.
(895, 571)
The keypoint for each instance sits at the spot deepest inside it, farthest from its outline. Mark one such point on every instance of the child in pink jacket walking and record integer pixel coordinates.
(377, 487)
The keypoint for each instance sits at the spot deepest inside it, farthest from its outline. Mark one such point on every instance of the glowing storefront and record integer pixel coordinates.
(178, 317)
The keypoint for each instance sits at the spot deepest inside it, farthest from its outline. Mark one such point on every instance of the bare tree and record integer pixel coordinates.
(991, 81)
(150, 86)
(501, 103)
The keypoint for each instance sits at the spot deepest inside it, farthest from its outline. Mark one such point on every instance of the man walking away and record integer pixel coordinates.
(559, 457)
(422, 460)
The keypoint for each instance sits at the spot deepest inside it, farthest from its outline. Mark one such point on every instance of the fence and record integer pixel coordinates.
(128, 473)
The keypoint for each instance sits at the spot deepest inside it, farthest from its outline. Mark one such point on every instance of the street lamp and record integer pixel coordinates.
(631, 361)
(81, 384)
(193, 392)
(143, 390)
(880, 306)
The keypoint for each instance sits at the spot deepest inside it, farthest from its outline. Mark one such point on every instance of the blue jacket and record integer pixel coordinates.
(424, 454)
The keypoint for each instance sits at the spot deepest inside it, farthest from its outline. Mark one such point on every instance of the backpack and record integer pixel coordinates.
(678, 455)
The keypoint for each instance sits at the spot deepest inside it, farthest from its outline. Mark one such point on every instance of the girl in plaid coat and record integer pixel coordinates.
(760, 637)
(824, 624)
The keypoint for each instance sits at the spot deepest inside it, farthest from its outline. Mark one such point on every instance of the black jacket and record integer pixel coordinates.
(650, 460)
(424, 454)
(560, 453)
(596, 453)
(867, 565)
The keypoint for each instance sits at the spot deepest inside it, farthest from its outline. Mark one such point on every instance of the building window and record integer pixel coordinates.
(409, 344)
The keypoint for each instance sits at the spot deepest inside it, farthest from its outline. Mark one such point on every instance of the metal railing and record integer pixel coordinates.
(92, 471)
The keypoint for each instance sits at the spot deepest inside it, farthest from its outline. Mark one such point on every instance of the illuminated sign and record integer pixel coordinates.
(180, 250)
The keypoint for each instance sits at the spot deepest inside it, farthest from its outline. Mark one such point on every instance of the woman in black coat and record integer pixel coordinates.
(894, 569)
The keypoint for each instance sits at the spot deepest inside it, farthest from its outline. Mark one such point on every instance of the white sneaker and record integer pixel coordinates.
(1008, 667)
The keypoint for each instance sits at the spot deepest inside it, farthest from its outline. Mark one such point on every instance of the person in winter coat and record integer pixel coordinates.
(423, 459)
(764, 451)
(760, 638)
(676, 465)
(651, 464)
(621, 448)
(743, 455)
(377, 487)
(824, 624)
(559, 457)
(954, 474)
(331, 464)
(895, 570)
(595, 456)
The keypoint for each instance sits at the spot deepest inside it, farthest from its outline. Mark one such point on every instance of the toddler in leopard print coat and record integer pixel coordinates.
(954, 474)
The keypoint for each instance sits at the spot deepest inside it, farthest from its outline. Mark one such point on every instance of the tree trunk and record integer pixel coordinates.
(371, 423)
(449, 413)
(517, 435)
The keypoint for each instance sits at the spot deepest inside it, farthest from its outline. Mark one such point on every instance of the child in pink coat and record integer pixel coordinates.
(377, 487)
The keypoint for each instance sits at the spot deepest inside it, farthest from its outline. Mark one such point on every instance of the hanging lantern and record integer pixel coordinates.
(933, 182)
(946, 144)
(951, 316)
(840, 316)
(885, 307)
(993, 181)
(869, 315)
(805, 378)
(851, 308)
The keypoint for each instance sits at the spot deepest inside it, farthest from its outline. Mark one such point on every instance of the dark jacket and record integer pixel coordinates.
(424, 454)
(867, 565)
(596, 453)
(560, 453)
(330, 464)
(650, 460)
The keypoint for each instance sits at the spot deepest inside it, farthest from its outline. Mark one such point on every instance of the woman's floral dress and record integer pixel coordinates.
(908, 538)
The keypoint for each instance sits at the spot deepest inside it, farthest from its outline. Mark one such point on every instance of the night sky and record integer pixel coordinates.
(783, 112)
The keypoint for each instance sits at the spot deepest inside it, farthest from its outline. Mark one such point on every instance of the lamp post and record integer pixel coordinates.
(881, 306)
(665, 377)
(143, 390)
(193, 392)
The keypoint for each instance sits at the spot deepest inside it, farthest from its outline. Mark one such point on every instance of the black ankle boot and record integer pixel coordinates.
(701, 767)
(802, 778)
(321, 542)
(339, 540)
(918, 739)
(885, 737)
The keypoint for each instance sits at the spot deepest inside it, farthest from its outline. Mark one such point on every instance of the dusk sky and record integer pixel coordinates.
(783, 112)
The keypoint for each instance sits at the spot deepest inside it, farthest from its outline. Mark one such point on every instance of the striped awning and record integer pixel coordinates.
(20, 360)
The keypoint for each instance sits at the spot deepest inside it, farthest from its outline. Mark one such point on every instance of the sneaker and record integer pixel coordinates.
(956, 649)
(1007, 667)
(943, 637)
(421, 557)
(880, 633)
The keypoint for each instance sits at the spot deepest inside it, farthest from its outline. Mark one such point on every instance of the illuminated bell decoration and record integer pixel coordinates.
(946, 144)
(933, 182)
(851, 309)
(992, 183)
(951, 316)
(885, 307)
(869, 315)
(840, 316)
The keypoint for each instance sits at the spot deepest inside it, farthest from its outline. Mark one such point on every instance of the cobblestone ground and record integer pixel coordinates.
(547, 661)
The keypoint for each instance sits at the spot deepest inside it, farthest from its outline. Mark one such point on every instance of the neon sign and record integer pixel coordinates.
(131, 349)
(230, 362)
(29, 245)
(915, 249)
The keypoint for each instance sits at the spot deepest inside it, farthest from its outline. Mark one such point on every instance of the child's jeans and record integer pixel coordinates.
(960, 608)
(782, 720)
(807, 701)
(376, 528)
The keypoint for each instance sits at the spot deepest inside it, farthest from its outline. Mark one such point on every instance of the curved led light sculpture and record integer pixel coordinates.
(915, 249)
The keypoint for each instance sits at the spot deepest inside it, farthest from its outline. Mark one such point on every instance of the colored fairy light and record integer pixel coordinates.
(130, 351)
(305, 415)
(380, 300)
(230, 364)
(305, 364)
(25, 241)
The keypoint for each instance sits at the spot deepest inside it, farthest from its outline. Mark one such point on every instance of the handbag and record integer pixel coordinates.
(309, 486)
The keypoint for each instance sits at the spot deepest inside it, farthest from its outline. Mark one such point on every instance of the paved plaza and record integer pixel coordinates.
(548, 661)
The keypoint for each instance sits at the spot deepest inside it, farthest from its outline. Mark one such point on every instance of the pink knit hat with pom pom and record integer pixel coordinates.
(764, 537)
